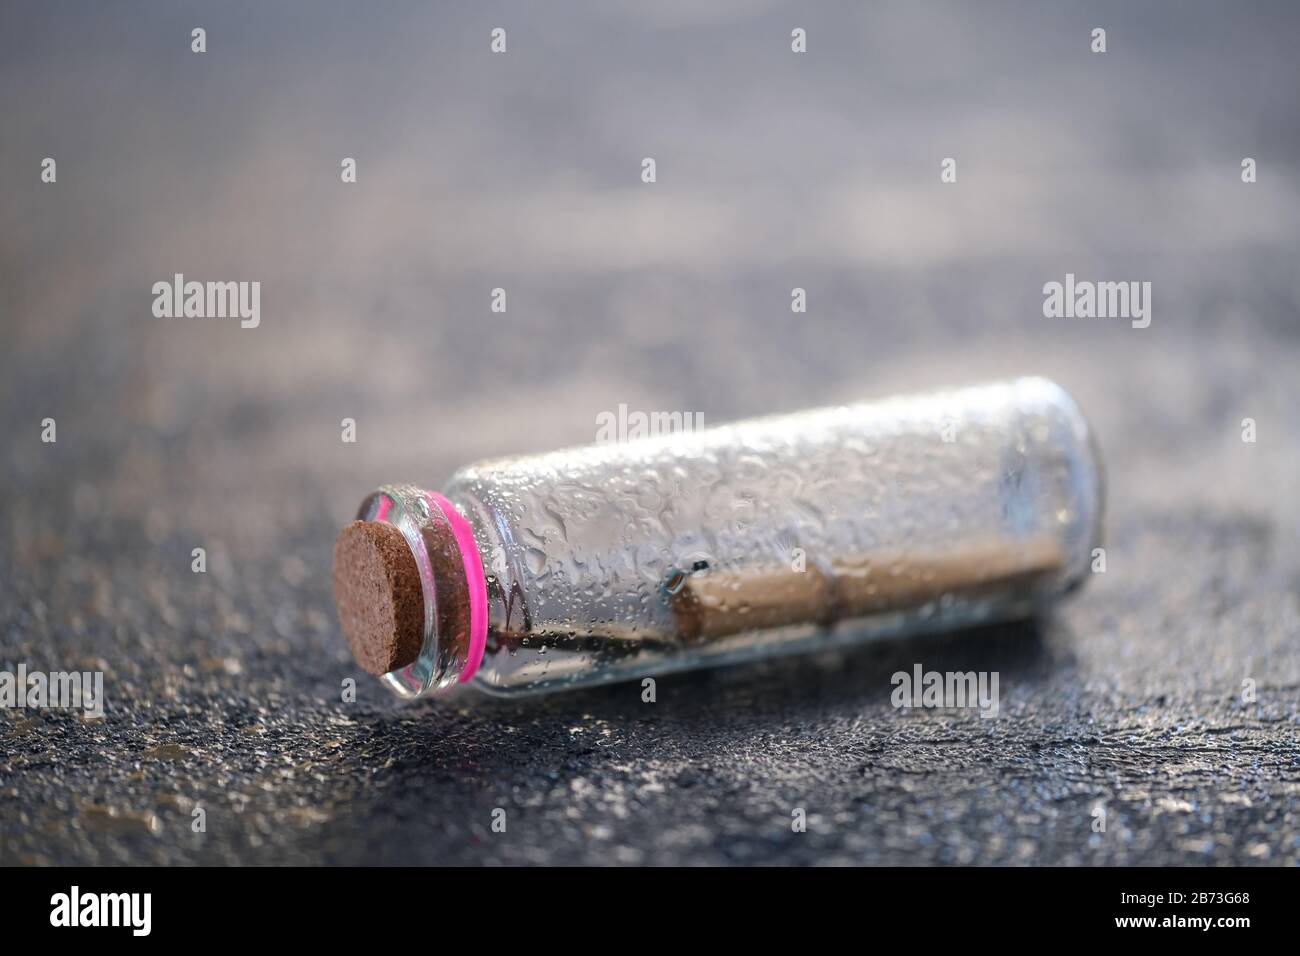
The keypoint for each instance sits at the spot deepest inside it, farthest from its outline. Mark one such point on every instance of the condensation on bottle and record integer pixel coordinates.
(792, 533)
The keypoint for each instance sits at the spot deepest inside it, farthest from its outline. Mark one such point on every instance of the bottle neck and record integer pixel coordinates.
(452, 585)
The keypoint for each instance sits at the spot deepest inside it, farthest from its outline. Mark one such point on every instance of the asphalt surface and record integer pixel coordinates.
(224, 689)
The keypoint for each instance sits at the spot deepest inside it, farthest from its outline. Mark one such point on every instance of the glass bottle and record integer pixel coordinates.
(784, 534)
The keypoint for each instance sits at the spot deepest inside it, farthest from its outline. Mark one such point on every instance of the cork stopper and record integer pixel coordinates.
(377, 592)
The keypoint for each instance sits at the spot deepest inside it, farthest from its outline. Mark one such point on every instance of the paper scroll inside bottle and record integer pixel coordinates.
(710, 604)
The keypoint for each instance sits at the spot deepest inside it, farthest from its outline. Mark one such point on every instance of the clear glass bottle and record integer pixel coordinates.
(781, 534)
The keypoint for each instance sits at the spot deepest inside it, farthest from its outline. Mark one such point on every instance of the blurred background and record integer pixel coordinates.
(522, 171)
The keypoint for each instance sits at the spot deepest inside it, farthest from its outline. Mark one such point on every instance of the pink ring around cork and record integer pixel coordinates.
(474, 580)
